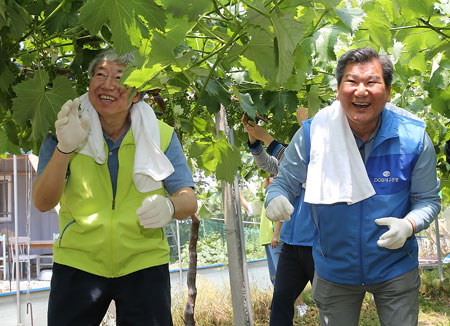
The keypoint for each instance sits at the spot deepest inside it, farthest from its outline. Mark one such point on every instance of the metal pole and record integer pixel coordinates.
(16, 231)
(438, 248)
(240, 290)
(180, 263)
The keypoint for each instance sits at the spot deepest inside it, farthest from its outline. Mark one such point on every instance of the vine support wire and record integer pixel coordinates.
(16, 230)
(28, 179)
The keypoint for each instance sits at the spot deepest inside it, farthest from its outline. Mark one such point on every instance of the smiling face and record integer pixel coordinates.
(363, 95)
(108, 98)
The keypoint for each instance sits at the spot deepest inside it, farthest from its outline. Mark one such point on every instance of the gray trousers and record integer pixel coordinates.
(397, 301)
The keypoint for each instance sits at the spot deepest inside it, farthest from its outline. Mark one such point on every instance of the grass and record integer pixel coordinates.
(213, 305)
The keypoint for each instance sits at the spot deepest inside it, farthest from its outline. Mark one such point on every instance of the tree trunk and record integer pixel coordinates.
(237, 263)
(189, 319)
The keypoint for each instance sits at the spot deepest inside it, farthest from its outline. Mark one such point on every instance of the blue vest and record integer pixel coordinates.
(346, 251)
(300, 229)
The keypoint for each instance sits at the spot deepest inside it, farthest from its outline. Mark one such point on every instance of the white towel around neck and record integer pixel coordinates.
(336, 172)
(151, 165)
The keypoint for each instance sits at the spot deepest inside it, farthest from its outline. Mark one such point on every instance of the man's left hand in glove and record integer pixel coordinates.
(400, 229)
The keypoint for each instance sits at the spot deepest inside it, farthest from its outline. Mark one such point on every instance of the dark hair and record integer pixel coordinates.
(364, 55)
(111, 56)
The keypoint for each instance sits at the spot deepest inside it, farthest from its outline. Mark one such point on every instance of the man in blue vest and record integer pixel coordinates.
(369, 173)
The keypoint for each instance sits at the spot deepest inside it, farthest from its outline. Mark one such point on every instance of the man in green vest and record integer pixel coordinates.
(119, 175)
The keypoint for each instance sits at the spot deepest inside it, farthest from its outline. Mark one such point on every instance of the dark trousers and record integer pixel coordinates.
(81, 298)
(295, 269)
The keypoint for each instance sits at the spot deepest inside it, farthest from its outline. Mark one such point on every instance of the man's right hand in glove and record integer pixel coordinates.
(71, 131)
(279, 209)
(155, 212)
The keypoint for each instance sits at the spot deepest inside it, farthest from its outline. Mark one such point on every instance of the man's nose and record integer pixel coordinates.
(361, 90)
(110, 82)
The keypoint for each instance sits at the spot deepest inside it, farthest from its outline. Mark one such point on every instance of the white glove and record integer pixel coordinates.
(399, 230)
(279, 209)
(155, 212)
(71, 131)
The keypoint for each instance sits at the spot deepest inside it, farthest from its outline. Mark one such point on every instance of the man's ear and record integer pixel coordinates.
(136, 97)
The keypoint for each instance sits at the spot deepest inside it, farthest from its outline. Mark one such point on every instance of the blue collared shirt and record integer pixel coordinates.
(180, 178)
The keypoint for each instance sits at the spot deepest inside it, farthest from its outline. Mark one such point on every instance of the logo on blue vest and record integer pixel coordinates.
(387, 178)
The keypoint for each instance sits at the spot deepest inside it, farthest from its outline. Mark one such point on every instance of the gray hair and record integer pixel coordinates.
(111, 56)
(364, 55)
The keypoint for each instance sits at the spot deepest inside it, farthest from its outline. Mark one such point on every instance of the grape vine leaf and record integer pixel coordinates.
(176, 7)
(441, 76)
(18, 20)
(414, 9)
(198, 7)
(302, 66)
(2, 8)
(257, 96)
(413, 46)
(164, 46)
(204, 126)
(247, 104)
(288, 33)
(377, 24)
(278, 102)
(138, 77)
(330, 4)
(193, 8)
(326, 38)
(313, 100)
(65, 18)
(6, 146)
(440, 100)
(215, 95)
(352, 17)
(34, 102)
(260, 50)
(253, 71)
(390, 8)
(205, 213)
(123, 16)
(217, 156)
(6, 79)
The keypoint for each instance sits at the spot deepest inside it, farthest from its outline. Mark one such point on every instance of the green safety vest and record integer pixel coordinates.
(266, 228)
(103, 236)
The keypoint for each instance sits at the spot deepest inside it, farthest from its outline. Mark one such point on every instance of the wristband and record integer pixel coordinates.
(64, 152)
(413, 223)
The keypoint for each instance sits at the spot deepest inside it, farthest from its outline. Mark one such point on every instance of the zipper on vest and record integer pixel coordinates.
(361, 234)
(114, 204)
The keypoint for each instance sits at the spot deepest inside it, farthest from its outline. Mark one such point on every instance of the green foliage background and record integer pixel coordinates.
(262, 57)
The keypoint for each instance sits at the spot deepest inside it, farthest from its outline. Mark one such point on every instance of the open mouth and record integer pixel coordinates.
(107, 98)
(361, 105)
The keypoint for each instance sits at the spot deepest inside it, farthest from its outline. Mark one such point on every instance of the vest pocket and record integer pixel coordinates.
(63, 232)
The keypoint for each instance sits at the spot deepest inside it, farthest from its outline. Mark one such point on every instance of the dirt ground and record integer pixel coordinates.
(7, 286)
